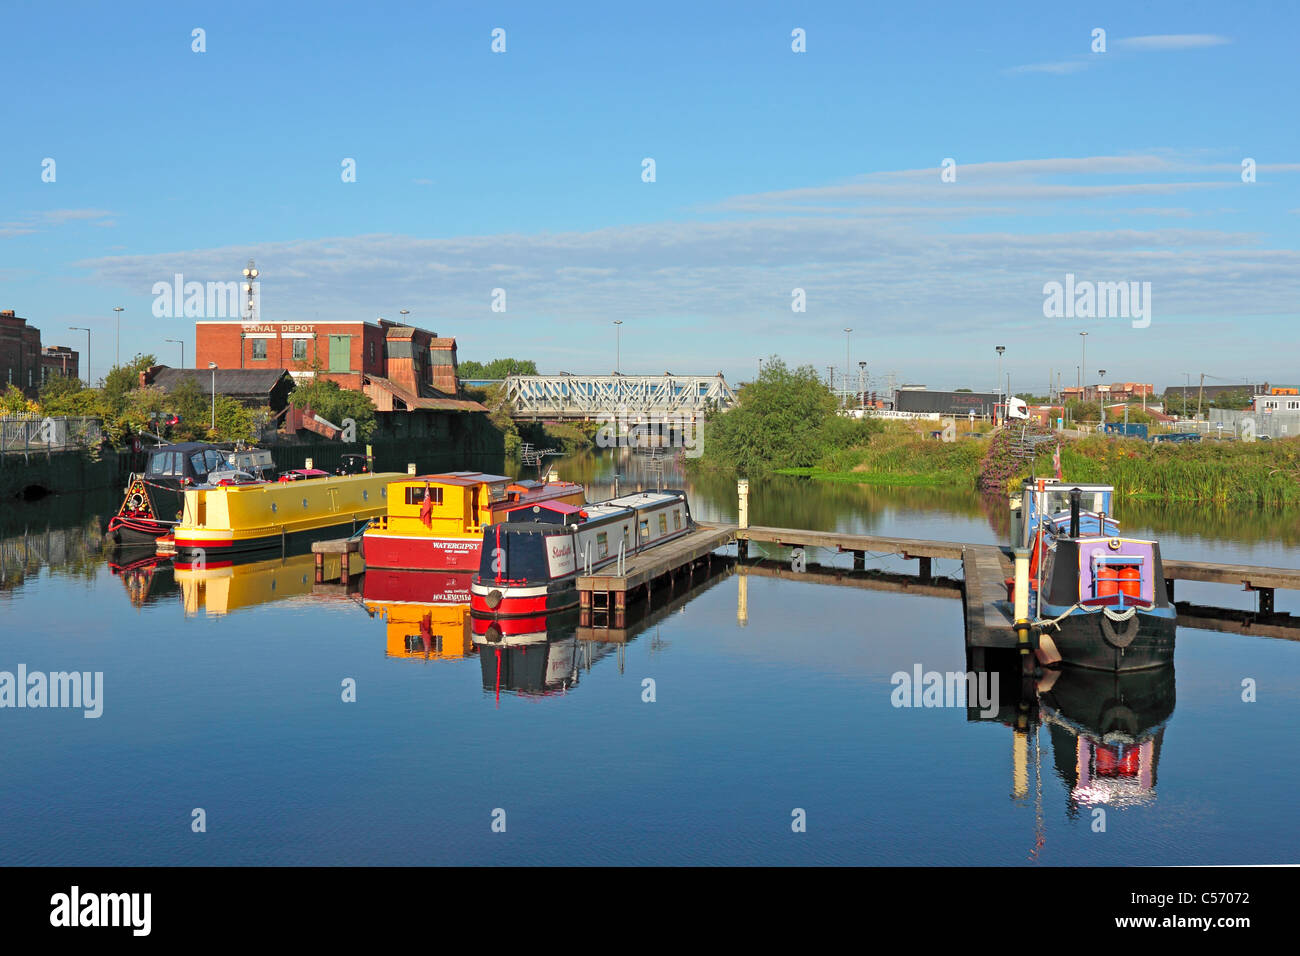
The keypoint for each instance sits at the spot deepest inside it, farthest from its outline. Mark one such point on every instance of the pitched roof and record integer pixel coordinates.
(413, 401)
(229, 381)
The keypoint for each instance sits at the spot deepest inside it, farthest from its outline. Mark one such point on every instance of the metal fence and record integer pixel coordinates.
(32, 433)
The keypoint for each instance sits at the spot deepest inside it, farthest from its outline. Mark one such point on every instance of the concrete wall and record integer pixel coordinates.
(65, 471)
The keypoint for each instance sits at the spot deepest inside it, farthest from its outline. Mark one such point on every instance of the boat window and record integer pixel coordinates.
(522, 557)
(415, 495)
(644, 527)
(199, 462)
(677, 520)
(167, 464)
(663, 523)
(602, 544)
(158, 463)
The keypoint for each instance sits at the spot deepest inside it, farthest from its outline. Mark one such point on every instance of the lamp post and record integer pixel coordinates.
(213, 367)
(117, 358)
(181, 343)
(404, 312)
(1083, 394)
(1101, 402)
(760, 367)
(862, 384)
(999, 349)
(618, 347)
(847, 335)
(77, 328)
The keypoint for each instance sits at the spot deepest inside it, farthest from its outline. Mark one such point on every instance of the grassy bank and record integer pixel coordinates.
(902, 455)
(1260, 473)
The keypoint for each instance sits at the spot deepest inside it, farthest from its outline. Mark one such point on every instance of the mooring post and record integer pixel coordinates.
(1022, 605)
(345, 559)
(320, 567)
(742, 516)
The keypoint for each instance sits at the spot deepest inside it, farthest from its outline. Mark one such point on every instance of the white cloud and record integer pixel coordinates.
(1059, 67)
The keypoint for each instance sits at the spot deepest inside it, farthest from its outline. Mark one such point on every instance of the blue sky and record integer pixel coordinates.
(775, 170)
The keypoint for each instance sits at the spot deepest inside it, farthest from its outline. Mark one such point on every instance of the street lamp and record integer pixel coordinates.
(862, 384)
(1083, 395)
(117, 359)
(77, 328)
(618, 347)
(181, 343)
(847, 334)
(1101, 402)
(213, 366)
(404, 312)
(760, 366)
(999, 349)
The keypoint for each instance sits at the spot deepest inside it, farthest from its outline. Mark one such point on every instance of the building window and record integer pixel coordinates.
(372, 353)
(259, 349)
(300, 350)
(1293, 405)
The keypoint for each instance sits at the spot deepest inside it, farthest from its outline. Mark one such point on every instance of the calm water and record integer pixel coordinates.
(223, 692)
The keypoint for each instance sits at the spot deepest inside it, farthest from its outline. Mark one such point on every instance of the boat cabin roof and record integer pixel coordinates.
(559, 507)
(461, 478)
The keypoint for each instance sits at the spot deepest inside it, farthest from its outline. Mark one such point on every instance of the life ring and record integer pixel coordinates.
(1115, 638)
(136, 445)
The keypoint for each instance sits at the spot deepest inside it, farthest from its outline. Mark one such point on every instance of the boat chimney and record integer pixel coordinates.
(1076, 496)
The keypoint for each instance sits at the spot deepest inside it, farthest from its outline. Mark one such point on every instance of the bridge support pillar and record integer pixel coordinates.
(1265, 600)
(859, 560)
(924, 568)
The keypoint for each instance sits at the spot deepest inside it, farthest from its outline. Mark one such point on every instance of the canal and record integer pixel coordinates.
(747, 720)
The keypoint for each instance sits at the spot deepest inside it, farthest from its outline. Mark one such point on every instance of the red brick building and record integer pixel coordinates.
(20, 354)
(59, 360)
(399, 366)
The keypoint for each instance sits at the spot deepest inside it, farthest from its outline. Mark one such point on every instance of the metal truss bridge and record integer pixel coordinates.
(647, 397)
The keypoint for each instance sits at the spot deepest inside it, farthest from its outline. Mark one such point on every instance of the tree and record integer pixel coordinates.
(785, 419)
(14, 402)
(1237, 400)
(122, 380)
(497, 368)
(332, 403)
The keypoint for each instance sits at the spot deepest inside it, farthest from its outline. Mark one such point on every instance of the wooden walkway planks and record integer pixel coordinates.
(641, 569)
(911, 547)
(988, 622)
(1215, 573)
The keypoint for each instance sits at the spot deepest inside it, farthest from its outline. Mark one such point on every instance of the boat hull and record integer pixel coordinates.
(1091, 641)
(412, 553)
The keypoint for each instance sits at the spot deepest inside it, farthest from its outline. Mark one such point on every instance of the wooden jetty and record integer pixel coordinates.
(609, 591)
(344, 547)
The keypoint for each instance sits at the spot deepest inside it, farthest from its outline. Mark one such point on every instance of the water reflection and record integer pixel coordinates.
(425, 613)
(1105, 731)
(528, 656)
(147, 577)
(234, 587)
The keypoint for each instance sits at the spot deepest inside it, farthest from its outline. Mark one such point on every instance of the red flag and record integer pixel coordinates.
(426, 508)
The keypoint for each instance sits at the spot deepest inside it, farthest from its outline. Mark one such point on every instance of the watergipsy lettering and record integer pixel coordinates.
(74, 909)
(70, 689)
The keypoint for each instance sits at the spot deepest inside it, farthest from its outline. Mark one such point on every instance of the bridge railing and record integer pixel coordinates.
(33, 433)
(579, 396)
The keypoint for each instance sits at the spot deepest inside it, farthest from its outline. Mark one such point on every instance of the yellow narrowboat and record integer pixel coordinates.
(223, 524)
